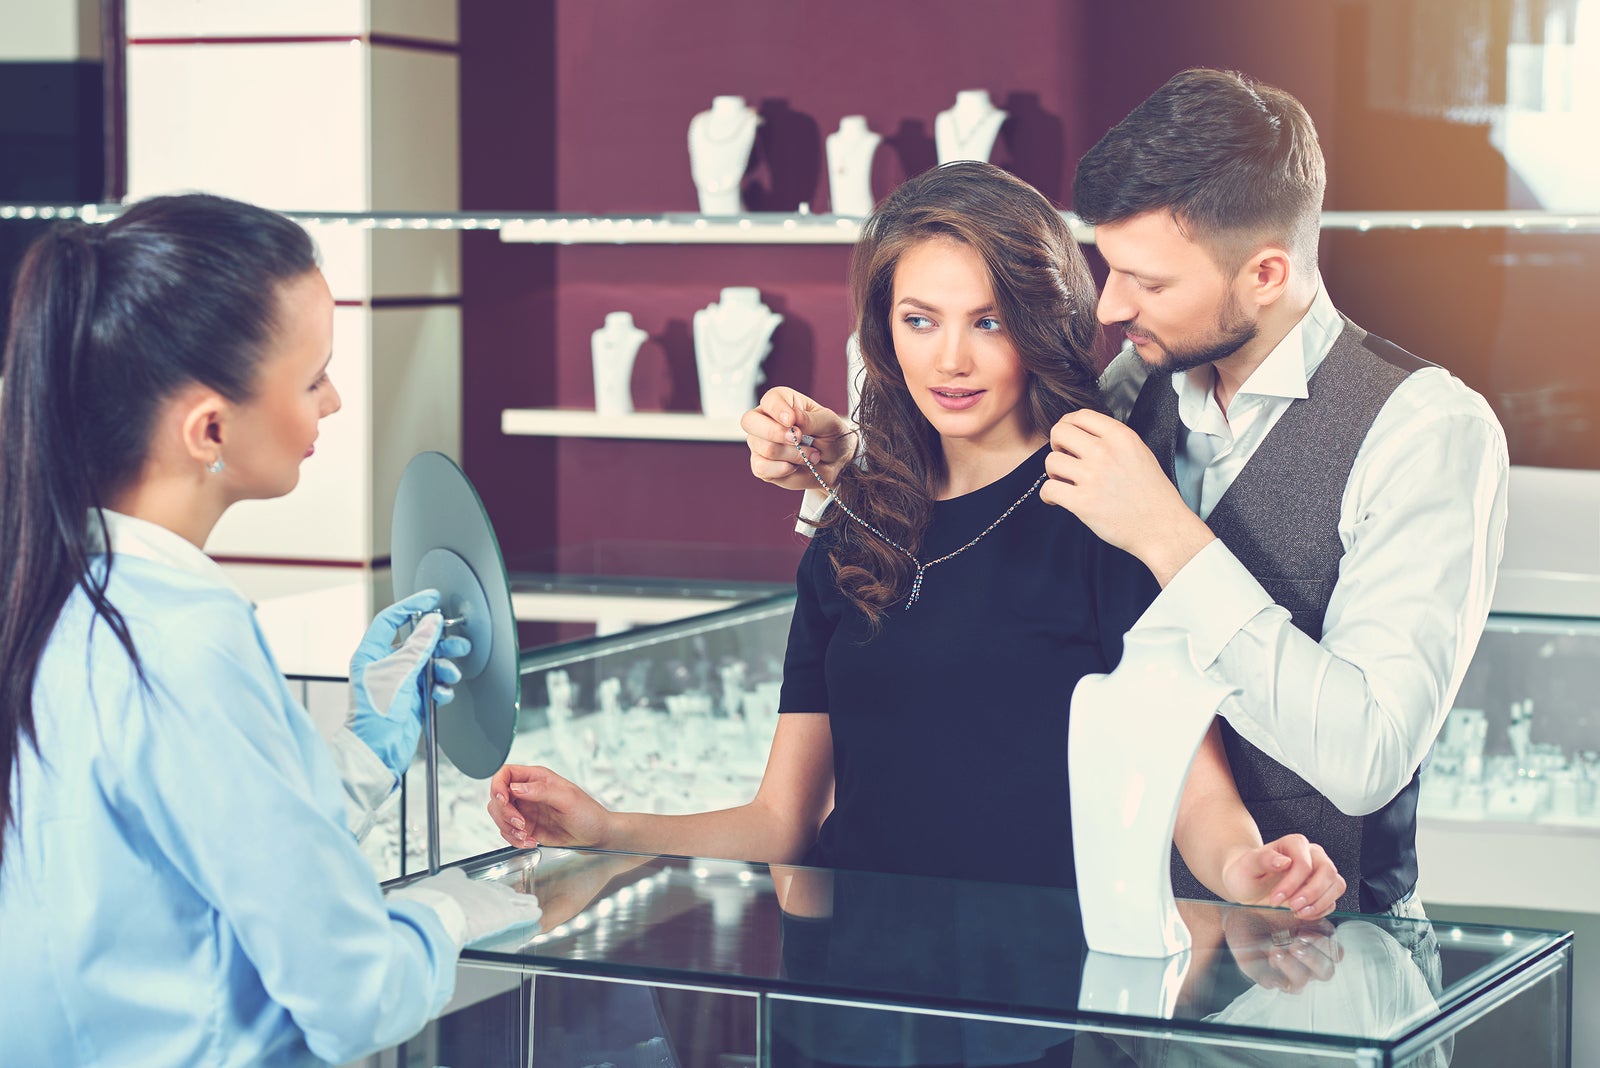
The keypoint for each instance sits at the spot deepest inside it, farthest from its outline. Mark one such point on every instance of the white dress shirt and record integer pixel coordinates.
(1423, 526)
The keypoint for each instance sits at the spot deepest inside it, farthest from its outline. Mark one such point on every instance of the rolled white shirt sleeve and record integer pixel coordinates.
(1423, 524)
(813, 502)
(370, 787)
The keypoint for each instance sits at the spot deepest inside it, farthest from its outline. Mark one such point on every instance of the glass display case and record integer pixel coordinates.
(1523, 740)
(668, 717)
(674, 961)
(1513, 776)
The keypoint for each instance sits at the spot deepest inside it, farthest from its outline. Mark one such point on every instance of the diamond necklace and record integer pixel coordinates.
(916, 583)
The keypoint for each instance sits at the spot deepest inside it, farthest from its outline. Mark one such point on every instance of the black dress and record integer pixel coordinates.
(950, 725)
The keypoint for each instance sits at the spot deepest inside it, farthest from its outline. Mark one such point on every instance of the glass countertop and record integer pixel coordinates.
(998, 952)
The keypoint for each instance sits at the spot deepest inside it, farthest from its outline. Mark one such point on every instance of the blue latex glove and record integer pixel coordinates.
(385, 682)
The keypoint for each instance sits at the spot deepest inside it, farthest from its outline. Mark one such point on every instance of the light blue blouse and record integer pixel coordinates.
(180, 886)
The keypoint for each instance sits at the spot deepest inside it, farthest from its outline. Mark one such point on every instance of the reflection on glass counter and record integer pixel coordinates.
(1523, 740)
(801, 966)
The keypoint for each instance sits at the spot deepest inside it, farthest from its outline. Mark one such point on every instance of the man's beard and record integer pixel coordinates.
(1234, 331)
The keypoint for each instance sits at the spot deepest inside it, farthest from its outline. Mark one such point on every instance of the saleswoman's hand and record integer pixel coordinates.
(534, 806)
(1291, 872)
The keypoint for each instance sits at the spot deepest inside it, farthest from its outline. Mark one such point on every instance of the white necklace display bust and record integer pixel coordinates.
(614, 347)
(720, 140)
(967, 129)
(731, 338)
(1131, 737)
(850, 150)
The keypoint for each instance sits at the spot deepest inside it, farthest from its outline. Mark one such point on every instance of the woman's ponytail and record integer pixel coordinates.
(107, 322)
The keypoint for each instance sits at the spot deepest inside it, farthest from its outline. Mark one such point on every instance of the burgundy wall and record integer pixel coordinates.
(583, 105)
(624, 82)
(508, 94)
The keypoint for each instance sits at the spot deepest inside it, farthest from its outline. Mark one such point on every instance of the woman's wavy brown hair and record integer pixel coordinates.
(1045, 298)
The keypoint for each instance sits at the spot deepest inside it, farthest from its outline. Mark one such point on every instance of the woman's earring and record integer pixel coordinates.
(215, 466)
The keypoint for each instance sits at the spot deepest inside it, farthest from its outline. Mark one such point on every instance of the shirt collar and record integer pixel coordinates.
(145, 540)
(1287, 368)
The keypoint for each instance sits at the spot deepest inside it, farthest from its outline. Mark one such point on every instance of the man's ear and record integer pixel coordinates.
(1265, 275)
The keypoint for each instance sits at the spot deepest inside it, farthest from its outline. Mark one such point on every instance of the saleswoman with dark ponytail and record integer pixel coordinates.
(179, 880)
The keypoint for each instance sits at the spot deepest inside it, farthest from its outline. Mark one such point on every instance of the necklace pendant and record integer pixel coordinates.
(916, 589)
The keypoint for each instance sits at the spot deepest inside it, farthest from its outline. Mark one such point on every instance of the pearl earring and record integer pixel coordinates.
(215, 466)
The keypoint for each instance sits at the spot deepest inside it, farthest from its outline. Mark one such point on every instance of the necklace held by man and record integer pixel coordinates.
(916, 583)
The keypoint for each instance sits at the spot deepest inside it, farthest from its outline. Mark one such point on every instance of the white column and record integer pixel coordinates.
(330, 105)
(336, 106)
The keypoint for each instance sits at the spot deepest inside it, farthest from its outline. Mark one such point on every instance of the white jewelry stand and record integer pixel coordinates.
(559, 692)
(1138, 986)
(731, 338)
(614, 346)
(850, 150)
(1130, 740)
(967, 130)
(720, 140)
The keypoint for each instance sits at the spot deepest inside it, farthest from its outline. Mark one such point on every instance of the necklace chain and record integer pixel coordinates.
(916, 583)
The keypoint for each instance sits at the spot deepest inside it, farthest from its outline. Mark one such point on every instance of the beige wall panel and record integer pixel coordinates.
(416, 146)
(433, 20)
(416, 263)
(51, 31)
(346, 253)
(245, 18)
(416, 398)
(279, 124)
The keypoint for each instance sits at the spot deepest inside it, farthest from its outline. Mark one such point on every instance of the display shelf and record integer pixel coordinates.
(684, 229)
(652, 426)
(782, 228)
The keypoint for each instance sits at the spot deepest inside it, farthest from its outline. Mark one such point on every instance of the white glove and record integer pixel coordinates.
(471, 909)
(385, 697)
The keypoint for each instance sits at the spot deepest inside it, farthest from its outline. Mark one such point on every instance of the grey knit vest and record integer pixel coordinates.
(1280, 518)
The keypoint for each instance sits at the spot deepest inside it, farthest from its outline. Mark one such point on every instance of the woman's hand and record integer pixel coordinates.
(828, 440)
(534, 806)
(1291, 872)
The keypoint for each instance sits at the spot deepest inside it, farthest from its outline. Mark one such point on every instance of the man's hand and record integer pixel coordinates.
(1280, 952)
(534, 806)
(1291, 872)
(1104, 474)
(828, 439)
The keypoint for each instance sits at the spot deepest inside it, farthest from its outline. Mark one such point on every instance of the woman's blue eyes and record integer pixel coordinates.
(988, 323)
